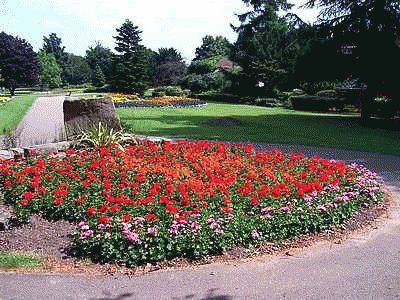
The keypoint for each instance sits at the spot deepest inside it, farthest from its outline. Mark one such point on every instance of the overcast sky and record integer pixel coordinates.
(165, 23)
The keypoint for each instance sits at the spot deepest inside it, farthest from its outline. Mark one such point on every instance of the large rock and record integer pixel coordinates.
(81, 114)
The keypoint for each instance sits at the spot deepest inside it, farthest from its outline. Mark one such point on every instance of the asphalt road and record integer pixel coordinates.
(363, 267)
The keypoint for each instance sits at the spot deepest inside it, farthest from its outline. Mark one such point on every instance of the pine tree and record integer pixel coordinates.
(98, 77)
(130, 64)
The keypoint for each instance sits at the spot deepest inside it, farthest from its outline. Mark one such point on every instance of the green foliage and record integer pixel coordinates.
(207, 82)
(266, 47)
(14, 260)
(316, 103)
(50, 73)
(53, 44)
(18, 62)
(101, 135)
(213, 46)
(99, 56)
(169, 67)
(130, 72)
(99, 79)
(353, 25)
(76, 70)
(328, 93)
(204, 66)
(170, 91)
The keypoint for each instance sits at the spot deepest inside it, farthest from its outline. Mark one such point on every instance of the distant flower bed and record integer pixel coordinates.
(164, 101)
(4, 99)
(124, 97)
(158, 201)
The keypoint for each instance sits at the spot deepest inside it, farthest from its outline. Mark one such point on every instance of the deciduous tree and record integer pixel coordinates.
(18, 62)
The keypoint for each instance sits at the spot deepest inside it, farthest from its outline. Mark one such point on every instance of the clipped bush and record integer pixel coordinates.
(316, 103)
(268, 102)
(169, 91)
(327, 93)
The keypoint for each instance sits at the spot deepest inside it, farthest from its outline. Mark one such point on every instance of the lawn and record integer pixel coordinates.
(12, 112)
(259, 124)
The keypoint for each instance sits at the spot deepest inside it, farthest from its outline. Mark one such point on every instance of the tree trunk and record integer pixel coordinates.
(11, 87)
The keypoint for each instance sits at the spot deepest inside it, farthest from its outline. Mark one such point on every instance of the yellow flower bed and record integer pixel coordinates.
(4, 99)
(124, 97)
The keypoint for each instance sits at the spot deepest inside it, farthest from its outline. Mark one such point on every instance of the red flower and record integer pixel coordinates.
(254, 201)
(86, 183)
(140, 178)
(24, 201)
(104, 219)
(115, 208)
(58, 201)
(172, 209)
(28, 195)
(126, 218)
(91, 211)
(151, 217)
(107, 184)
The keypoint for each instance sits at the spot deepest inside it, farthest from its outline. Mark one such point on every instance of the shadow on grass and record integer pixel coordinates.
(341, 131)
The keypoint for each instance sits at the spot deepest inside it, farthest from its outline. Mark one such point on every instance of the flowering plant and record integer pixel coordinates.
(157, 201)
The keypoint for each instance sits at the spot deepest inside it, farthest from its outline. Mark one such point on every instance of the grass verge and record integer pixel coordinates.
(12, 112)
(14, 260)
(263, 125)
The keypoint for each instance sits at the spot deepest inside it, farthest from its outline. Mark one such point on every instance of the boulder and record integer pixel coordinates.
(81, 114)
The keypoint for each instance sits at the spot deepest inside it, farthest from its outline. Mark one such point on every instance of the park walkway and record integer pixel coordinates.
(43, 123)
(363, 267)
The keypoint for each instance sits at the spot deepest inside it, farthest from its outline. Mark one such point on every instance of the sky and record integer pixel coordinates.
(165, 23)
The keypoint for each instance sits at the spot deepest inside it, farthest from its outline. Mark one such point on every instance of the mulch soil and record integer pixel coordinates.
(50, 241)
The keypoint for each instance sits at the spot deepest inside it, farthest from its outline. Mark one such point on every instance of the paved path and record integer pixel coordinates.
(43, 123)
(363, 267)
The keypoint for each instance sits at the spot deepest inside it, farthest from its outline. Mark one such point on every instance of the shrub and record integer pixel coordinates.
(169, 91)
(316, 103)
(157, 201)
(268, 102)
(328, 93)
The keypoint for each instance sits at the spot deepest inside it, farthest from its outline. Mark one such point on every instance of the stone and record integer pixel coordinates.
(82, 114)
(6, 154)
(51, 148)
(5, 216)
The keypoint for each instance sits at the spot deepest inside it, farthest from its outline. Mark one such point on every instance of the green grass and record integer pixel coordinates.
(13, 260)
(259, 124)
(12, 112)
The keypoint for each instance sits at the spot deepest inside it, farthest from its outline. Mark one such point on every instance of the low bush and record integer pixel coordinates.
(327, 93)
(221, 97)
(158, 201)
(316, 103)
(169, 91)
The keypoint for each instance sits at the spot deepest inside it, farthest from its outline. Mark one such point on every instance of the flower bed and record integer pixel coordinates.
(164, 101)
(4, 99)
(157, 201)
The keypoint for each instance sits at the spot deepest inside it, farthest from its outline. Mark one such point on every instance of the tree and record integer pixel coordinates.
(169, 67)
(50, 71)
(371, 28)
(130, 71)
(53, 44)
(98, 77)
(266, 46)
(18, 62)
(76, 70)
(213, 46)
(99, 56)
